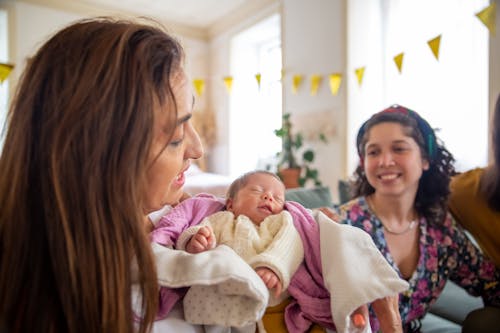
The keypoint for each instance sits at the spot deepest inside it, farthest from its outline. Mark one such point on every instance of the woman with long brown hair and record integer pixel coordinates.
(98, 136)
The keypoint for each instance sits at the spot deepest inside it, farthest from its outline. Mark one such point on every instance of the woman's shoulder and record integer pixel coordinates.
(467, 181)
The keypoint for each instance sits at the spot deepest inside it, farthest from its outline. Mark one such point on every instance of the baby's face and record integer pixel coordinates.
(263, 195)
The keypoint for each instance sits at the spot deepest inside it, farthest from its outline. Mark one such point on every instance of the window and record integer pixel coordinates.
(255, 112)
(451, 93)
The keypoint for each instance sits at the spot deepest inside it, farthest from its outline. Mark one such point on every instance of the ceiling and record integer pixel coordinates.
(195, 18)
(199, 14)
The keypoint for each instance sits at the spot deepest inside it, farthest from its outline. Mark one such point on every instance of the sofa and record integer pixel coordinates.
(446, 315)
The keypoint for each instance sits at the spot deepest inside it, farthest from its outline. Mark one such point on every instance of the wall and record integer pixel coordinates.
(30, 24)
(314, 42)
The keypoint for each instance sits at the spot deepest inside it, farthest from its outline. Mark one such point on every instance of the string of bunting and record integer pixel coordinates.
(487, 16)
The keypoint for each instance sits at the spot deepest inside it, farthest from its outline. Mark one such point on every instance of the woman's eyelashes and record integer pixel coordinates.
(395, 149)
(178, 136)
(175, 143)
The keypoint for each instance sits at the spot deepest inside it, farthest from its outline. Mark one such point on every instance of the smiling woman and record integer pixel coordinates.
(401, 187)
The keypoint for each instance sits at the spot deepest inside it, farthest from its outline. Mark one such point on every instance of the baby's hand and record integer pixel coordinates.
(270, 279)
(203, 240)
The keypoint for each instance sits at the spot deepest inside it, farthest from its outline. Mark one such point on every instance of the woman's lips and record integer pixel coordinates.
(390, 176)
(180, 180)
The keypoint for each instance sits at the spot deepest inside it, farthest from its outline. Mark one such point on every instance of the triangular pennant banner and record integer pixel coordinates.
(315, 82)
(488, 16)
(360, 72)
(257, 77)
(228, 81)
(399, 61)
(335, 80)
(199, 86)
(5, 70)
(434, 45)
(296, 81)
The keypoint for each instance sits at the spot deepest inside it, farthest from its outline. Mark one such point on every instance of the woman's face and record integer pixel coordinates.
(393, 161)
(170, 159)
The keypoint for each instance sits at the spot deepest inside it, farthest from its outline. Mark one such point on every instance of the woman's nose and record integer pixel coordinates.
(194, 149)
(386, 159)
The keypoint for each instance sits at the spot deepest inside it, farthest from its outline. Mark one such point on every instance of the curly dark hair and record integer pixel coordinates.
(433, 188)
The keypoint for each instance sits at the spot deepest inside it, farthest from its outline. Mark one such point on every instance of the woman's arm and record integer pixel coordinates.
(472, 271)
(387, 311)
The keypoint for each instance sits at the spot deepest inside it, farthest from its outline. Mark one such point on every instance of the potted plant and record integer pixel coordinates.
(295, 171)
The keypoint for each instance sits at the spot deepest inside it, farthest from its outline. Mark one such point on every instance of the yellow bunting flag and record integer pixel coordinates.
(360, 72)
(5, 70)
(315, 82)
(257, 77)
(399, 61)
(199, 86)
(434, 45)
(228, 81)
(487, 16)
(335, 80)
(282, 74)
(296, 81)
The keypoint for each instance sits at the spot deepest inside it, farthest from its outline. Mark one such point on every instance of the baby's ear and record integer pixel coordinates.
(229, 204)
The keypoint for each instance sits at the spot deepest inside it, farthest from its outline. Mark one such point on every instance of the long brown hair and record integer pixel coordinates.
(72, 178)
(490, 181)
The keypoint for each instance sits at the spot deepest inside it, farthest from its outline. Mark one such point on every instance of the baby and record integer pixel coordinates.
(256, 226)
(253, 222)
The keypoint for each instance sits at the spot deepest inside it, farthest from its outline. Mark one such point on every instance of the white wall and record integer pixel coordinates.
(31, 24)
(314, 42)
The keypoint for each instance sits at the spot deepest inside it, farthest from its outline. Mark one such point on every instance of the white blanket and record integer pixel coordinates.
(224, 289)
(354, 271)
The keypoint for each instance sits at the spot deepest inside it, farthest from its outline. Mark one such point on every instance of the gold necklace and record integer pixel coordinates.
(411, 225)
(397, 233)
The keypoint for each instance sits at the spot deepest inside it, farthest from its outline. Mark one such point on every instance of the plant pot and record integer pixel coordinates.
(290, 177)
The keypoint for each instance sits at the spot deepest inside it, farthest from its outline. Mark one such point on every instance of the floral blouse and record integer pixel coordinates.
(445, 253)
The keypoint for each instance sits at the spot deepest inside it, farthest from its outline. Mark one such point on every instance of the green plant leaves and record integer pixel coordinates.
(291, 146)
(308, 155)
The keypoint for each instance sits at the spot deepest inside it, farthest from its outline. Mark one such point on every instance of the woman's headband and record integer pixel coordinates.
(423, 126)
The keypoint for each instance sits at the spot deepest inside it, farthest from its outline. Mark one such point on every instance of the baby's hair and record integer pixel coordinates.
(242, 180)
